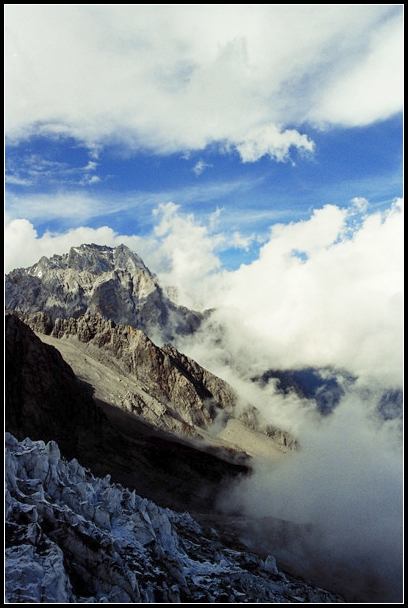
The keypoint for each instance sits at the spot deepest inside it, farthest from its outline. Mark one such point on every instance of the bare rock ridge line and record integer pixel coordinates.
(113, 283)
(76, 538)
(176, 393)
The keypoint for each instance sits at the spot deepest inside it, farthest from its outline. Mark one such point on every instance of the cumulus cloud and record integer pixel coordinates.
(180, 78)
(270, 141)
(323, 291)
(187, 248)
(23, 246)
(341, 305)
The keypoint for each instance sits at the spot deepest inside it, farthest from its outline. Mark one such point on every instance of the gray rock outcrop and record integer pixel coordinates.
(75, 538)
(113, 283)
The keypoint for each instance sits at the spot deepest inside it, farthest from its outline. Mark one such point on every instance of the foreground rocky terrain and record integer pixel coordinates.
(73, 537)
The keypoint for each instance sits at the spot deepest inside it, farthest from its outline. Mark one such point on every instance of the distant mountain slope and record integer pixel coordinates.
(113, 283)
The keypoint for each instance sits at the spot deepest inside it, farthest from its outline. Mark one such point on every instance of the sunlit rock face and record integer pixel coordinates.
(113, 283)
(72, 537)
(158, 385)
(45, 400)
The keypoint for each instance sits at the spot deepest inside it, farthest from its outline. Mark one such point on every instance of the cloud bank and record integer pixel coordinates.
(344, 490)
(324, 291)
(180, 78)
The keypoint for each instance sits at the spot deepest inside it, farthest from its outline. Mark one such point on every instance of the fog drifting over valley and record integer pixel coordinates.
(340, 307)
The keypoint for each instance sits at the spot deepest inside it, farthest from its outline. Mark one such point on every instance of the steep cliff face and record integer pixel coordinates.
(75, 538)
(190, 392)
(110, 282)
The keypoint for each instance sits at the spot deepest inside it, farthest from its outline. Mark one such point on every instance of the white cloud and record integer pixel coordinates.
(317, 295)
(187, 248)
(177, 78)
(23, 246)
(360, 203)
(33, 169)
(200, 166)
(269, 140)
(89, 180)
(372, 88)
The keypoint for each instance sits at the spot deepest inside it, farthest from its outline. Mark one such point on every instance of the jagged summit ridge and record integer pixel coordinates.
(92, 258)
(113, 283)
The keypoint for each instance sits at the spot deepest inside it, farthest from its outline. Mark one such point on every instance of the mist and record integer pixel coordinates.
(338, 310)
(343, 490)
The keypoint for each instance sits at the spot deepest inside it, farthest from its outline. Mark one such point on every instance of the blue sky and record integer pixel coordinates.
(256, 114)
(239, 150)
(122, 188)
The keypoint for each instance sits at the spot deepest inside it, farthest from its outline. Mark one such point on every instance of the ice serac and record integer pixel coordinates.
(72, 537)
(113, 283)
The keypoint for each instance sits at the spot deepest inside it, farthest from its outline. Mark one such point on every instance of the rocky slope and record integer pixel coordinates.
(75, 538)
(45, 400)
(113, 283)
(160, 386)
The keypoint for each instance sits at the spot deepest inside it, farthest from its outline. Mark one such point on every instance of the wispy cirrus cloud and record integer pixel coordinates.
(83, 206)
(36, 170)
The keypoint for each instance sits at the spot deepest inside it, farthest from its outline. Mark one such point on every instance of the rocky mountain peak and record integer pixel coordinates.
(95, 259)
(113, 283)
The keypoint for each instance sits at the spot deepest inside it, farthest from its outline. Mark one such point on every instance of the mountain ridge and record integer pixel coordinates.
(173, 391)
(44, 400)
(113, 283)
